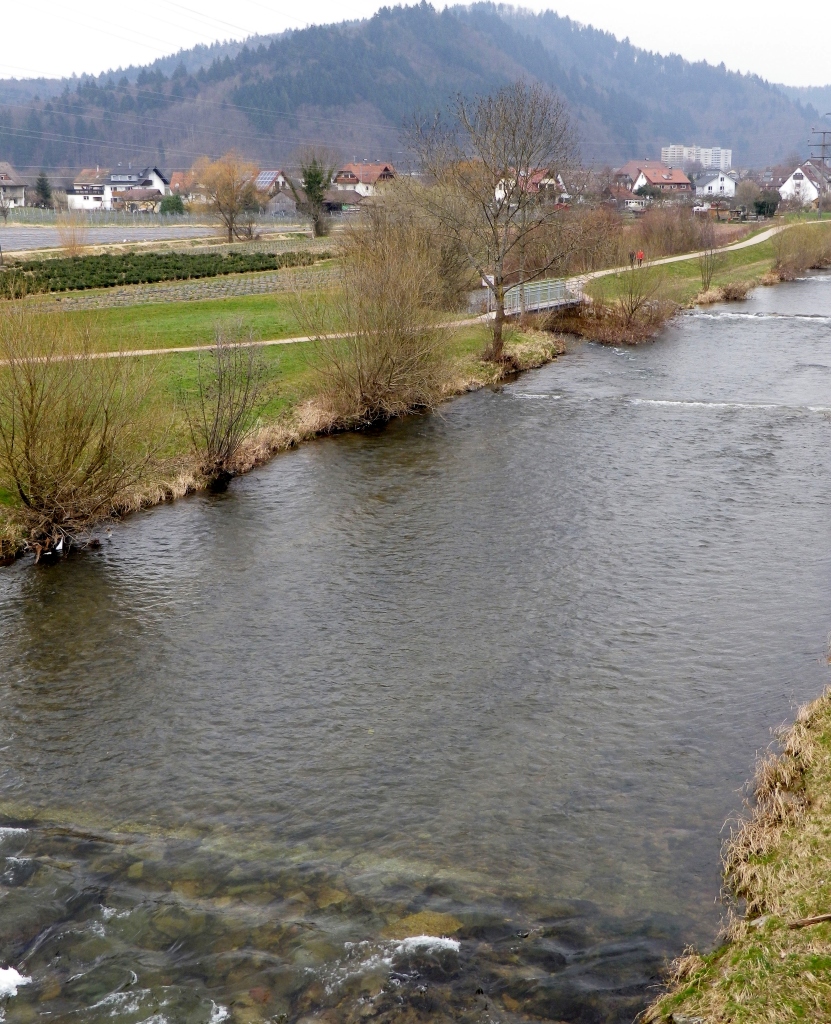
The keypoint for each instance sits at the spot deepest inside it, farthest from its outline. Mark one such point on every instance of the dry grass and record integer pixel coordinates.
(800, 248)
(611, 324)
(777, 865)
(72, 232)
(735, 291)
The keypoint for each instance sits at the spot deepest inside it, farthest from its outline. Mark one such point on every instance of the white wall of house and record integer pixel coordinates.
(717, 186)
(13, 195)
(87, 201)
(799, 186)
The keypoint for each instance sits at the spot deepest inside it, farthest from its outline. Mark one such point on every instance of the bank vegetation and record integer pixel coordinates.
(774, 962)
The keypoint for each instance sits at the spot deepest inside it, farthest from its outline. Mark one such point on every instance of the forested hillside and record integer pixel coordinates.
(353, 85)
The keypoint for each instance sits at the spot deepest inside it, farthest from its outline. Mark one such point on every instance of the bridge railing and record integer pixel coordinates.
(546, 294)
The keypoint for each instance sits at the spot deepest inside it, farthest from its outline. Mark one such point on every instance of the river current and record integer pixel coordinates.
(441, 721)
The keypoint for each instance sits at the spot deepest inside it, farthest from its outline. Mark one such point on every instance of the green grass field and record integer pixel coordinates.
(170, 325)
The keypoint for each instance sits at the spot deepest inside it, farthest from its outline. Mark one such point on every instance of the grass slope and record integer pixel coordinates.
(779, 864)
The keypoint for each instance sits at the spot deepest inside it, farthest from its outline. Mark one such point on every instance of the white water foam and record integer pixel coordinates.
(685, 403)
(10, 981)
(364, 957)
(218, 1013)
(109, 912)
(428, 944)
(818, 318)
(122, 1002)
(11, 832)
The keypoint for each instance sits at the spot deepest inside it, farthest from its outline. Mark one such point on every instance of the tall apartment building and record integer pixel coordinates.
(678, 155)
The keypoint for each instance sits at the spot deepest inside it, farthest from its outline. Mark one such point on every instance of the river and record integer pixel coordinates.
(493, 676)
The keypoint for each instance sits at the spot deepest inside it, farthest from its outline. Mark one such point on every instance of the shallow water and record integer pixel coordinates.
(497, 673)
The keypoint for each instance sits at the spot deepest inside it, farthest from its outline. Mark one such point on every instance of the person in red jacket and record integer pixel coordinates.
(640, 257)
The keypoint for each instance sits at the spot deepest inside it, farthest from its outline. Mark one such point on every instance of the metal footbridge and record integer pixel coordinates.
(541, 295)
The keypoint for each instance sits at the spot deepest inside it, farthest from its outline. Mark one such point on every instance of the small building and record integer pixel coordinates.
(363, 178)
(667, 179)
(12, 189)
(805, 185)
(282, 204)
(715, 185)
(343, 200)
(108, 190)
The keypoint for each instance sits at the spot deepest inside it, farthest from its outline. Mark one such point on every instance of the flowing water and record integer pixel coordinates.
(438, 722)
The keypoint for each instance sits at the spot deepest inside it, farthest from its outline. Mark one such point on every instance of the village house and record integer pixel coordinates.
(272, 182)
(117, 190)
(12, 189)
(805, 184)
(629, 173)
(715, 185)
(364, 179)
(184, 184)
(667, 179)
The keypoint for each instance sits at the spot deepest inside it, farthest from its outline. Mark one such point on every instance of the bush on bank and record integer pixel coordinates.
(111, 269)
(74, 430)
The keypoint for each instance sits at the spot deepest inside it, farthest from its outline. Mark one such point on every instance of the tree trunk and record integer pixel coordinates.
(494, 353)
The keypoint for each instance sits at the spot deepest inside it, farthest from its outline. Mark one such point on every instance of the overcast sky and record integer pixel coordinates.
(747, 35)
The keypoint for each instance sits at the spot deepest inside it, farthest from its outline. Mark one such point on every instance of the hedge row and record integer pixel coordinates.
(106, 271)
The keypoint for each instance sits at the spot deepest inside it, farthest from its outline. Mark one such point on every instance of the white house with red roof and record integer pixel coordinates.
(667, 179)
(365, 179)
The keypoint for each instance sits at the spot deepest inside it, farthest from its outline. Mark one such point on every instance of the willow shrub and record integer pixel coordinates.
(391, 355)
(73, 428)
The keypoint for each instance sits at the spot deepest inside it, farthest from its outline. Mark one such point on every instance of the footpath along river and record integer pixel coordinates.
(491, 679)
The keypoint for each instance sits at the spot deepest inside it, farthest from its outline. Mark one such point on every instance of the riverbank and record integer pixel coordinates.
(630, 305)
(774, 965)
(293, 412)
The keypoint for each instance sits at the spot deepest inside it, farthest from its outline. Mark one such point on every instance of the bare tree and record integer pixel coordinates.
(222, 414)
(709, 258)
(5, 206)
(497, 176)
(73, 436)
(229, 186)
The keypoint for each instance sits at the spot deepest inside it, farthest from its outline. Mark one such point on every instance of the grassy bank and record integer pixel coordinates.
(775, 963)
(680, 283)
(291, 411)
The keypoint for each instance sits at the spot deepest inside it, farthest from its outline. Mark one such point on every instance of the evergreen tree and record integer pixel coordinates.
(43, 190)
(316, 175)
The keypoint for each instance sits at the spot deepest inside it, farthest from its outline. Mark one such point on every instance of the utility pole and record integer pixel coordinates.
(823, 144)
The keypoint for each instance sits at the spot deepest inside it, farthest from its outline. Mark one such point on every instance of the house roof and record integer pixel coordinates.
(707, 176)
(132, 195)
(814, 174)
(117, 177)
(91, 176)
(181, 181)
(633, 168)
(661, 176)
(343, 197)
(366, 174)
(265, 179)
(8, 174)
